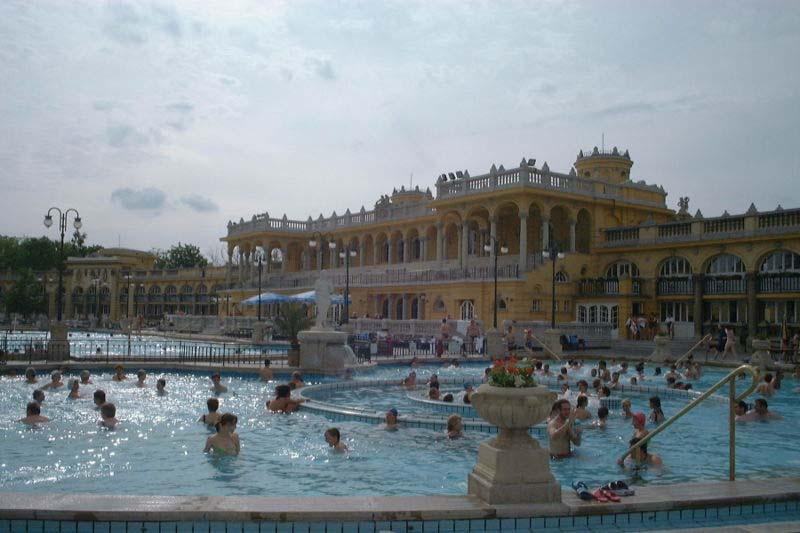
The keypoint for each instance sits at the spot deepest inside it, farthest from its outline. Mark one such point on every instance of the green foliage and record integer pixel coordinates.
(39, 254)
(180, 256)
(292, 320)
(26, 296)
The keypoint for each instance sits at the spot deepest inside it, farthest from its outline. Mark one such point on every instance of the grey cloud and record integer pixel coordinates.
(643, 106)
(322, 68)
(131, 25)
(199, 203)
(123, 135)
(148, 198)
(180, 107)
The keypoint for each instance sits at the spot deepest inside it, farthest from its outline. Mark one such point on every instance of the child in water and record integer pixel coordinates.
(108, 416)
(334, 440)
(455, 427)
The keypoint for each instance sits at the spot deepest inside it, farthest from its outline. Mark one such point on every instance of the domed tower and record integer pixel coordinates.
(604, 165)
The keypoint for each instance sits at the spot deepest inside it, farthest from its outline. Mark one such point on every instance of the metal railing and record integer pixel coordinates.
(733, 400)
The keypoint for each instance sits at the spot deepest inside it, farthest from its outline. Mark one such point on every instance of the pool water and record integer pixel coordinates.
(157, 449)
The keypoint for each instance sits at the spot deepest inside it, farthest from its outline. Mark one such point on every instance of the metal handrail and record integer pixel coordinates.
(693, 348)
(730, 378)
(545, 347)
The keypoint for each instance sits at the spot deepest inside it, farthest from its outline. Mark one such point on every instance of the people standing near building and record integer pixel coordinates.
(730, 343)
(473, 332)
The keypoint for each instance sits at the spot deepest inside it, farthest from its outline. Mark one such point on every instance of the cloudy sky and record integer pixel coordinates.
(160, 121)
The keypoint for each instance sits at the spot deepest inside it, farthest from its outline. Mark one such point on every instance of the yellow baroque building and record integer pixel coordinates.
(417, 255)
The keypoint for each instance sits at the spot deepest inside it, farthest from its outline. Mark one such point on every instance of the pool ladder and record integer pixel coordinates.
(733, 400)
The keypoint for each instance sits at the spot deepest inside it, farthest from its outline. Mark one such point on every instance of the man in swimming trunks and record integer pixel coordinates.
(33, 415)
(561, 431)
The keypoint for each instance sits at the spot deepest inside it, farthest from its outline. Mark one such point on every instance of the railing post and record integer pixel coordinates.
(732, 431)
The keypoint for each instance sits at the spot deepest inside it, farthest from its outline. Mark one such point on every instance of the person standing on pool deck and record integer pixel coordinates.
(730, 343)
(561, 431)
(226, 440)
(218, 387)
(266, 371)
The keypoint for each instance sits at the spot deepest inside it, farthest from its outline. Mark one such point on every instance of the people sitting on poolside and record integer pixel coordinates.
(390, 420)
(410, 381)
(766, 388)
(455, 427)
(38, 396)
(561, 430)
(225, 440)
(334, 440)
(30, 375)
(433, 392)
(297, 380)
(283, 401)
(161, 387)
(33, 414)
(55, 381)
(74, 392)
(639, 456)
(212, 417)
(626, 408)
(581, 411)
(86, 378)
(266, 372)
(141, 376)
(656, 414)
(119, 373)
(108, 416)
(217, 386)
(602, 417)
(759, 413)
(99, 398)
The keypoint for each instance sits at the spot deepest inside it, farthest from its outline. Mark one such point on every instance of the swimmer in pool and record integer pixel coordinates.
(74, 389)
(434, 380)
(217, 388)
(33, 415)
(297, 380)
(760, 413)
(766, 387)
(639, 457)
(390, 421)
(161, 387)
(108, 416)
(283, 401)
(119, 373)
(565, 392)
(626, 408)
(38, 396)
(410, 381)
(581, 412)
(638, 420)
(212, 417)
(86, 378)
(226, 440)
(433, 392)
(455, 427)
(468, 391)
(561, 430)
(334, 440)
(656, 414)
(141, 376)
(99, 398)
(602, 417)
(740, 410)
(55, 381)
(30, 375)
(266, 371)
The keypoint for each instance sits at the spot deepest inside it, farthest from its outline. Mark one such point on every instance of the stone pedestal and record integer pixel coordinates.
(58, 345)
(495, 347)
(760, 358)
(325, 351)
(662, 350)
(552, 337)
(513, 468)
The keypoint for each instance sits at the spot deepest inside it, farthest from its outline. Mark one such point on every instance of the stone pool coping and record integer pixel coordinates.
(88, 507)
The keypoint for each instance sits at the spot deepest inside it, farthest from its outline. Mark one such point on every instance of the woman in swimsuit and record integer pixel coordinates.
(283, 402)
(212, 417)
(225, 441)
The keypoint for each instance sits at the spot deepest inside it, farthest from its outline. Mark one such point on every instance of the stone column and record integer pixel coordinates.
(493, 236)
(334, 261)
(464, 243)
(392, 245)
(523, 241)
(697, 280)
(406, 250)
(362, 251)
(572, 235)
(752, 304)
(285, 259)
(405, 306)
(439, 241)
(376, 253)
(423, 248)
(545, 233)
(113, 303)
(229, 266)
(66, 300)
(241, 266)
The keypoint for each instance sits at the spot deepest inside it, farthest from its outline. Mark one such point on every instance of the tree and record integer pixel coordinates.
(26, 296)
(180, 256)
(292, 320)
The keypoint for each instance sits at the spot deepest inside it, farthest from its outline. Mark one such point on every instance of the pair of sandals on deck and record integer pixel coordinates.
(610, 492)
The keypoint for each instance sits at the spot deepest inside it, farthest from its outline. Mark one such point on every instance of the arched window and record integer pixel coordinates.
(438, 305)
(171, 290)
(725, 264)
(187, 289)
(621, 268)
(501, 304)
(104, 291)
(140, 290)
(781, 261)
(155, 289)
(562, 277)
(467, 310)
(675, 267)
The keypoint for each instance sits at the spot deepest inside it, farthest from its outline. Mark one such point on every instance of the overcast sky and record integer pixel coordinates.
(160, 121)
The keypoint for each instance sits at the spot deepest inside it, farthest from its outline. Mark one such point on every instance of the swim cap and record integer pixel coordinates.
(392, 411)
(639, 418)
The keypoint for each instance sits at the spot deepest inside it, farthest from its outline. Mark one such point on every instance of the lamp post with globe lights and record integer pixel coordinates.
(553, 336)
(62, 224)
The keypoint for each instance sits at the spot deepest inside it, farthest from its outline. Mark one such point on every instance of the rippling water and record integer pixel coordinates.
(157, 449)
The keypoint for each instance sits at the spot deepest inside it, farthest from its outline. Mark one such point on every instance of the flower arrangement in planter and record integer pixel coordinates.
(512, 373)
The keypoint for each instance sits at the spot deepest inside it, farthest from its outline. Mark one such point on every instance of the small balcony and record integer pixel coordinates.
(724, 285)
(674, 287)
(779, 283)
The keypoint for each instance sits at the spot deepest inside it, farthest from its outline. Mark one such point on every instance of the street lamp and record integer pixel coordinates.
(346, 254)
(260, 263)
(498, 249)
(553, 253)
(62, 224)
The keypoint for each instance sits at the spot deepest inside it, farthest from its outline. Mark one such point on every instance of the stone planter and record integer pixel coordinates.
(661, 352)
(513, 467)
(761, 357)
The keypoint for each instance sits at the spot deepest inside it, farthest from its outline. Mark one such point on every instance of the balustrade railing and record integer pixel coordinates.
(668, 231)
(622, 235)
(674, 286)
(724, 285)
(598, 287)
(784, 282)
(724, 225)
